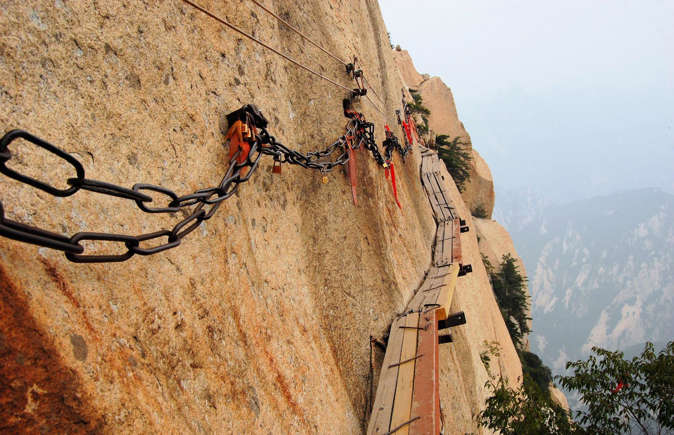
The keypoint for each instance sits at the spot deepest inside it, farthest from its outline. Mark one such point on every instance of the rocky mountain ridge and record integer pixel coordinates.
(600, 273)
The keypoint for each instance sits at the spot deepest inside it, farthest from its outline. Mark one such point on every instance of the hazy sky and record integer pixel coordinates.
(573, 97)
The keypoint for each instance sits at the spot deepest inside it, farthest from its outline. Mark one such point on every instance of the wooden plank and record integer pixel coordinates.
(426, 399)
(448, 241)
(432, 197)
(439, 177)
(439, 196)
(411, 389)
(455, 231)
(447, 292)
(402, 404)
(383, 403)
(422, 296)
(438, 249)
(438, 286)
(442, 254)
(432, 171)
(456, 242)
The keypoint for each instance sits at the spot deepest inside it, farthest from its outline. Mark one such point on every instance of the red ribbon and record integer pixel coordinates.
(352, 170)
(406, 127)
(393, 182)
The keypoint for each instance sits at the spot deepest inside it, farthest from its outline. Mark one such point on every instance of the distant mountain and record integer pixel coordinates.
(517, 209)
(601, 271)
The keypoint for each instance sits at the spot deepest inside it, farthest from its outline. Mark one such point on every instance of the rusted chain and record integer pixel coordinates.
(197, 206)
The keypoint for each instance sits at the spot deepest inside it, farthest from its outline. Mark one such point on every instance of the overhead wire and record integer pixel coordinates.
(294, 29)
(372, 89)
(265, 45)
(374, 105)
(320, 47)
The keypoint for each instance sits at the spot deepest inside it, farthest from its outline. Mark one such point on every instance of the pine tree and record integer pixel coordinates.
(456, 158)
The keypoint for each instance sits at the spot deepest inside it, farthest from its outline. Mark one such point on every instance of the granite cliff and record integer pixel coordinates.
(259, 322)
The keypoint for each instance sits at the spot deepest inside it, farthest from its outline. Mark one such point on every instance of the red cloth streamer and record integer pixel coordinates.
(352, 171)
(393, 181)
(414, 128)
(406, 127)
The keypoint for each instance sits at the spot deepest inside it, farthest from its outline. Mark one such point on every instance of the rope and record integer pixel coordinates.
(268, 47)
(315, 44)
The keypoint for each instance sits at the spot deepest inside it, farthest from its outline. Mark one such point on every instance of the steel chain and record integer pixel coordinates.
(201, 204)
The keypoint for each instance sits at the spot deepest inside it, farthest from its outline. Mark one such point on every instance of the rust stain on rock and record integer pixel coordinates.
(38, 393)
(65, 289)
(282, 384)
(278, 377)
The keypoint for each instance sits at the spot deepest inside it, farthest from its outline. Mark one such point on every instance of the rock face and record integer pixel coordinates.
(558, 397)
(601, 274)
(260, 320)
(479, 189)
(444, 119)
(408, 73)
(495, 242)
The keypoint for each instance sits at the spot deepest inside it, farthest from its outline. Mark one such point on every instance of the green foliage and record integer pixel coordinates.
(456, 158)
(418, 105)
(523, 411)
(492, 349)
(418, 108)
(487, 265)
(534, 370)
(645, 398)
(479, 212)
(510, 291)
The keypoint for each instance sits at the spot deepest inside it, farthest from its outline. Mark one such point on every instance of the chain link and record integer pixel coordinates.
(199, 206)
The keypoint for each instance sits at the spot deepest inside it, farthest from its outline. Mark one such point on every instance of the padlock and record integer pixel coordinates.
(325, 179)
(276, 169)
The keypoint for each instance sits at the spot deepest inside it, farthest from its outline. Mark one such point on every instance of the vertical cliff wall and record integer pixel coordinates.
(260, 320)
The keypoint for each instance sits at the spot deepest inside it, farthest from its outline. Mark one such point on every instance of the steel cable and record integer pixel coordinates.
(294, 29)
(315, 44)
(265, 45)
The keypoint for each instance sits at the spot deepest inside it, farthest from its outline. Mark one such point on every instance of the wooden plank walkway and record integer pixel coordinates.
(408, 397)
(402, 402)
(426, 379)
(380, 419)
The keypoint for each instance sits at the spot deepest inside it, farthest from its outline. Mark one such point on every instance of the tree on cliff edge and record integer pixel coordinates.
(513, 300)
(455, 157)
(418, 108)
